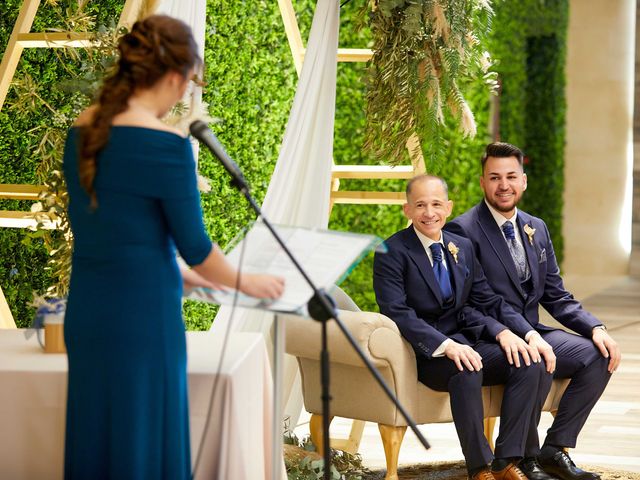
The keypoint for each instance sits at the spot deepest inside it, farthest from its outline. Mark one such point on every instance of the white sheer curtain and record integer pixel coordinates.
(298, 193)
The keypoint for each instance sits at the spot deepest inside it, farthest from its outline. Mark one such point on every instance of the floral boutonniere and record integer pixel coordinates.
(530, 232)
(453, 250)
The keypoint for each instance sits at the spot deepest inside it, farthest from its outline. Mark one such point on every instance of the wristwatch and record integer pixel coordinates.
(601, 327)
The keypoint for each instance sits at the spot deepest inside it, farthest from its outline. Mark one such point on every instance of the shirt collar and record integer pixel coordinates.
(499, 218)
(426, 241)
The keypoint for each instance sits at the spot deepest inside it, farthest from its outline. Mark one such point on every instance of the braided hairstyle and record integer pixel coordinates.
(155, 46)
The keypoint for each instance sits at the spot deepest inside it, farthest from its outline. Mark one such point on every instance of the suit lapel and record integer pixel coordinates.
(493, 234)
(532, 255)
(419, 257)
(456, 269)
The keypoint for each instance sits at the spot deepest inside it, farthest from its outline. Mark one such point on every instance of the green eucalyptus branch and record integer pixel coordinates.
(96, 62)
(422, 50)
(50, 212)
(306, 464)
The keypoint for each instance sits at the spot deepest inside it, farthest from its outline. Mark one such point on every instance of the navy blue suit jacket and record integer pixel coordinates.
(479, 226)
(407, 291)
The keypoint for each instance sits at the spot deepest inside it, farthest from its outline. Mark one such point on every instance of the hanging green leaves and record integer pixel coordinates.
(421, 51)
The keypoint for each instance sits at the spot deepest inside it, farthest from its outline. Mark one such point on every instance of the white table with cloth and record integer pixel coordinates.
(237, 443)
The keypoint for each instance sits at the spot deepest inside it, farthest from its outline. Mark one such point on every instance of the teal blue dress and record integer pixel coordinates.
(127, 406)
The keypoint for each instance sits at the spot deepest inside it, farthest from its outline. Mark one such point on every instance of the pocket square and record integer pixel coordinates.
(543, 256)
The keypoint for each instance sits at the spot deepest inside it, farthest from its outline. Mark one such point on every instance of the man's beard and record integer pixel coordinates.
(503, 208)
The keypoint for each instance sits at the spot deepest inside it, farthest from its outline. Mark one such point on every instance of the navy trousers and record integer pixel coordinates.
(525, 390)
(577, 358)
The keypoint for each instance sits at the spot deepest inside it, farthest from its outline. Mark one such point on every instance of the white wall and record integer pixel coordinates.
(600, 75)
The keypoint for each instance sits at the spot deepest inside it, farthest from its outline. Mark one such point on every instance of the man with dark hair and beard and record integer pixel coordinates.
(517, 256)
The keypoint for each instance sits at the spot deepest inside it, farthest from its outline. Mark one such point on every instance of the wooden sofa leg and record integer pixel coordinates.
(391, 440)
(315, 429)
(489, 426)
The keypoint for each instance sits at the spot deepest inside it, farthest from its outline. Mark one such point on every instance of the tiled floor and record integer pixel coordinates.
(611, 436)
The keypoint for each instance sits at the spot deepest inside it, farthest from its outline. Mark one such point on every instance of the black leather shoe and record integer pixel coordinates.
(533, 471)
(560, 465)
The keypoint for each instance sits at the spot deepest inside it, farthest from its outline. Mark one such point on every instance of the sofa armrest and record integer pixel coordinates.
(377, 336)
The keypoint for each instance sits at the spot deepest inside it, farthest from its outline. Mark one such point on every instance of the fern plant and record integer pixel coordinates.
(94, 64)
(50, 212)
(344, 466)
(422, 50)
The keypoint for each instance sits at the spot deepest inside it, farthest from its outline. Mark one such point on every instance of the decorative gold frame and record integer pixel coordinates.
(354, 171)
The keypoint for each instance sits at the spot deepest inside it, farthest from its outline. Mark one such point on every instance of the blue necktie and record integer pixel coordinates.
(517, 252)
(442, 274)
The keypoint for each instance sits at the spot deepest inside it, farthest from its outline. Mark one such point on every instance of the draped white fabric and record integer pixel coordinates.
(298, 193)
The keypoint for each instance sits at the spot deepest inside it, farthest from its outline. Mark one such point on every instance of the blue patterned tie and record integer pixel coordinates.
(442, 274)
(517, 251)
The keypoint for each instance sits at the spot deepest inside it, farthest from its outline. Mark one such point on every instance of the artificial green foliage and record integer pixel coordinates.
(32, 125)
(421, 52)
(251, 82)
(89, 67)
(251, 88)
(344, 465)
(21, 265)
(349, 137)
(529, 43)
(545, 137)
(460, 164)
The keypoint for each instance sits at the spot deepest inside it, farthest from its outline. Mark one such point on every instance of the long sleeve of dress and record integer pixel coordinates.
(180, 200)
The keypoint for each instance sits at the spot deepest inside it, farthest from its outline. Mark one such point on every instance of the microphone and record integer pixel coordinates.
(204, 135)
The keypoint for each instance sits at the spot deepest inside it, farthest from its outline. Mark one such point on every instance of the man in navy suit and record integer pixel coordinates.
(432, 286)
(516, 254)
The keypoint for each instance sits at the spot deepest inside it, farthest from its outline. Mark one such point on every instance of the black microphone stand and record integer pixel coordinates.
(321, 307)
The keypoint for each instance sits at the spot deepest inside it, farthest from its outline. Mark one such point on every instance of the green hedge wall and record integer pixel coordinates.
(23, 260)
(529, 41)
(251, 83)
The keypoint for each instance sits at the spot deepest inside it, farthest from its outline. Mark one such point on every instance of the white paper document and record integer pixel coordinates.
(327, 256)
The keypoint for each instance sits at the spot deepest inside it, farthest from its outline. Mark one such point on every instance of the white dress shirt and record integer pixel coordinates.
(427, 242)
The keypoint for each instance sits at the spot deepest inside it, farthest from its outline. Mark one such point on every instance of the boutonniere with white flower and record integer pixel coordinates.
(530, 232)
(453, 250)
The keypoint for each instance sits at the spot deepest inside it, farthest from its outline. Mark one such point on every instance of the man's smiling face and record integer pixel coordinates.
(428, 207)
(503, 183)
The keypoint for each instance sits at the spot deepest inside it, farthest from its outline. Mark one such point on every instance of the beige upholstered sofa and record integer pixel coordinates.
(355, 393)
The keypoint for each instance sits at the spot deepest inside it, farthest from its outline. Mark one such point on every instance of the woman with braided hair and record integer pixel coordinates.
(132, 201)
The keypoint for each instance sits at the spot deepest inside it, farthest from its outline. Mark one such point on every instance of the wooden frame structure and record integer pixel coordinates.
(21, 38)
(346, 172)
